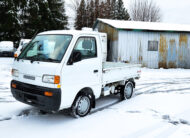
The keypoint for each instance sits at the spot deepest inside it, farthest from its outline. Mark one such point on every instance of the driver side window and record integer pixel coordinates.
(87, 47)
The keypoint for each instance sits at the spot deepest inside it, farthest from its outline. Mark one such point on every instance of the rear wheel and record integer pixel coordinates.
(81, 106)
(127, 91)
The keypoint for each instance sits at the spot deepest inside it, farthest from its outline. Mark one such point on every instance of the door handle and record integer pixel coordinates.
(95, 71)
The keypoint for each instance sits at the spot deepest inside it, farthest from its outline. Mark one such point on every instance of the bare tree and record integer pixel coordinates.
(145, 10)
(73, 4)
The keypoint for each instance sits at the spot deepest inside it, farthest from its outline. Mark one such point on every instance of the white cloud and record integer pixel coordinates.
(173, 11)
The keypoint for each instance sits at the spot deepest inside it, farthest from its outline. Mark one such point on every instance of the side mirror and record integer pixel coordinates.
(75, 57)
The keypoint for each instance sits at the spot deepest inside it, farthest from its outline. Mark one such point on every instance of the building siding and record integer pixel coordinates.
(131, 46)
(112, 35)
(173, 49)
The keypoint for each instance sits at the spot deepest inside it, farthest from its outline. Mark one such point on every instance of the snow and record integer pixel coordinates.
(151, 26)
(159, 108)
(70, 32)
(6, 46)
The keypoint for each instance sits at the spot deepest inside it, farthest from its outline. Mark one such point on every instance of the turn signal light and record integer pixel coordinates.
(49, 94)
(13, 85)
(56, 79)
(53, 79)
(58, 86)
(139, 71)
(15, 55)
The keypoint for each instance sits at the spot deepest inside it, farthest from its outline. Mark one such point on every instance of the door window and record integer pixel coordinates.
(87, 47)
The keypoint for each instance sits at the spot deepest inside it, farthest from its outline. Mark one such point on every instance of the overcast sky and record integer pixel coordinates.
(173, 11)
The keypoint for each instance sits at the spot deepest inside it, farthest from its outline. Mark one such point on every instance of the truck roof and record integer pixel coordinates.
(71, 32)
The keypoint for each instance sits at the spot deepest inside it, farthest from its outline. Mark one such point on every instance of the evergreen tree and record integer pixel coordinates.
(108, 9)
(34, 21)
(113, 9)
(81, 13)
(42, 15)
(102, 10)
(22, 8)
(96, 11)
(9, 22)
(121, 12)
(58, 17)
(91, 13)
(87, 13)
(22, 18)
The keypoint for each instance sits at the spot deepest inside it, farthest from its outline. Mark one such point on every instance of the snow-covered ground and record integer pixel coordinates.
(160, 108)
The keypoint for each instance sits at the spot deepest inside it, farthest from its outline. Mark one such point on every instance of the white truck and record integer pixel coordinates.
(68, 70)
(6, 48)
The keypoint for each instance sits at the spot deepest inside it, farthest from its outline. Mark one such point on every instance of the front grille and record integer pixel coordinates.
(29, 77)
(29, 89)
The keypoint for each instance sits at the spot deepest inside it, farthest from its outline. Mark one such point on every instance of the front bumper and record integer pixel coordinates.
(34, 95)
(7, 53)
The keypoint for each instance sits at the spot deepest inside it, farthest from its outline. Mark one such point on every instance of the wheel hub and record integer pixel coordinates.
(128, 90)
(83, 105)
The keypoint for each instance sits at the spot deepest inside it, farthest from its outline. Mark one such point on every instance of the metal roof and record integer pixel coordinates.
(144, 26)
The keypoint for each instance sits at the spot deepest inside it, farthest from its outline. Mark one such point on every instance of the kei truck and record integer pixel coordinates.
(68, 70)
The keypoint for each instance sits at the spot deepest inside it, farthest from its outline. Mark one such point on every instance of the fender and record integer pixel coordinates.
(87, 91)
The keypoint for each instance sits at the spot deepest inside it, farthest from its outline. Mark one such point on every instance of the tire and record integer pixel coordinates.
(127, 91)
(81, 106)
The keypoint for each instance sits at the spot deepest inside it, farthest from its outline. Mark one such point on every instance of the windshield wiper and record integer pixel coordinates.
(51, 60)
(33, 58)
(40, 57)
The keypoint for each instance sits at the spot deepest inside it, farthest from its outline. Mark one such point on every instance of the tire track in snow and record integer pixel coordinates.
(24, 113)
(37, 112)
(5, 119)
(166, 132)
(172, 120)
(166, 91)
(151, 88)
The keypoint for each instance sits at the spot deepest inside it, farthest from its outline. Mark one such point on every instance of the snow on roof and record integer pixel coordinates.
(6, 42)
(150, 26)
(69, 32)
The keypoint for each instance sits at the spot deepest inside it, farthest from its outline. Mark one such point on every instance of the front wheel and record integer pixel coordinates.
(81, 106)
(127, 91)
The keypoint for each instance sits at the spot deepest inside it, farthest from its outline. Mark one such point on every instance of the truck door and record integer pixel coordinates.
(85, 73)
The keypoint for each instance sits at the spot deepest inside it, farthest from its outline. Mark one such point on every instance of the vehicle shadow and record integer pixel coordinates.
(62, 116)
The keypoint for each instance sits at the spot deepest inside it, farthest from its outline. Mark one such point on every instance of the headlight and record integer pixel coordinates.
(15, 72)
(51, 79)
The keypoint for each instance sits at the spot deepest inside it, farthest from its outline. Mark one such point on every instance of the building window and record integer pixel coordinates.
(152, 45)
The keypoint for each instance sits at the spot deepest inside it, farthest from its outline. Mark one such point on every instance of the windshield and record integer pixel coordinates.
(47, 48)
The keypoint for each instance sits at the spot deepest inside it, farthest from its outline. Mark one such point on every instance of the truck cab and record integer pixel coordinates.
(67, 69)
